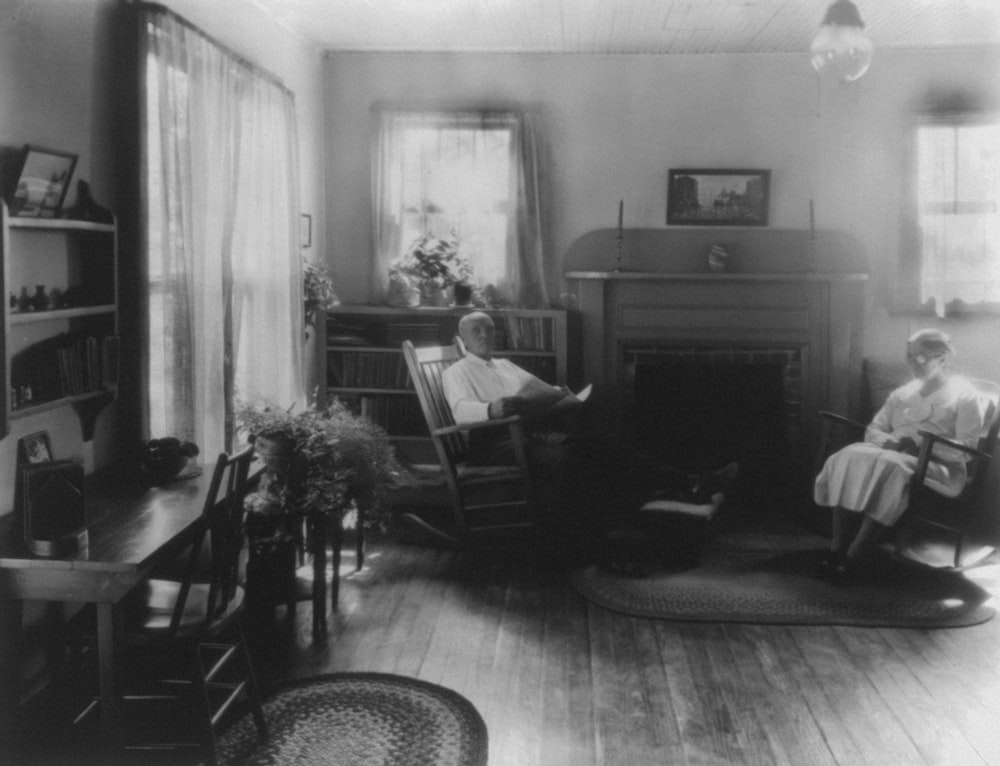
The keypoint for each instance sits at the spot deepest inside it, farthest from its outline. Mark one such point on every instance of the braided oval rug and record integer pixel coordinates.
(781, 587)
(360, 719)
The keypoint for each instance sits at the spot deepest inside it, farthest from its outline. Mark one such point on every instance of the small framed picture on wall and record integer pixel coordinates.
(35, 448)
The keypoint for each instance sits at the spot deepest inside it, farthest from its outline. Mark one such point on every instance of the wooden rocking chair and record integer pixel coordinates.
(486, 501)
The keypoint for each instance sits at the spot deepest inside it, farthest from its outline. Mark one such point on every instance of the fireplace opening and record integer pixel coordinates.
(698, 410)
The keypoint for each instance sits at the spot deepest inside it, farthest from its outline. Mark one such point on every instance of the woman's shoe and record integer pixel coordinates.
(849, 572)
(829, 564)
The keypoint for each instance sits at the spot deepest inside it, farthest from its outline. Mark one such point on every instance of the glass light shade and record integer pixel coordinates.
(842, 53)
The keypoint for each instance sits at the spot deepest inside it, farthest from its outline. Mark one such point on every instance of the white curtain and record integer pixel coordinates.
(221, 233)
(438, 172)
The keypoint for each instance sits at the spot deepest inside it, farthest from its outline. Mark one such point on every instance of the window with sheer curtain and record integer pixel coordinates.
(473, 176)
(224, 307)
(957, 195)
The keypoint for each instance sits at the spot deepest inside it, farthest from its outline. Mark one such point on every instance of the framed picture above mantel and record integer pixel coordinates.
(718, 197)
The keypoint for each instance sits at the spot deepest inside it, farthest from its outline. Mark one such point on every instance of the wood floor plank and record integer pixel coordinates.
(667, 742)
(870, 722)
(560, 681)
(507, 726)
(794, 679)
(961, 697)
(737, 734)
(920, 714)
(791, 731)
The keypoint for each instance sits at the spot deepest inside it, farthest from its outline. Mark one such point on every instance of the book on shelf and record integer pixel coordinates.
(527, 333)
(366, 369)
(64, 365)
(418, 333)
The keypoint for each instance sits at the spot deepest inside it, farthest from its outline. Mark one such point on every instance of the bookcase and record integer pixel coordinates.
(60, 317)
(361, 361)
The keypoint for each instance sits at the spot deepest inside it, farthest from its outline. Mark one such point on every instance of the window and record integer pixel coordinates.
(455, 178)
(465, 175)
(219, 173)
(958, 188)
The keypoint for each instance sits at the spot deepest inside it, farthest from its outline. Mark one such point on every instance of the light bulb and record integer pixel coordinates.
(841, 50)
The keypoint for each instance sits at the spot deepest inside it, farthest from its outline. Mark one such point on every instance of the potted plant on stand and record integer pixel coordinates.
(317, 290)
(432, 265)
(337, 463)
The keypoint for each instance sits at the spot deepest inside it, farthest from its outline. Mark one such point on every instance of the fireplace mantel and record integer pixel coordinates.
(662, 276)
(819, 312)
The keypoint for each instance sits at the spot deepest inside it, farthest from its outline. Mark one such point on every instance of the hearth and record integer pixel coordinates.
(704, 406)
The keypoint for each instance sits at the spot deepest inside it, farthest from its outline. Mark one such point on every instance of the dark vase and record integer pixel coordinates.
(463, 294)
(39, 301)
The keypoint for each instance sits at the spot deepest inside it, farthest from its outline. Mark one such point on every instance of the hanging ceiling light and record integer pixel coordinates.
(841, 50)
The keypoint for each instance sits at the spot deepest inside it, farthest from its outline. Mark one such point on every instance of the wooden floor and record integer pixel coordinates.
(560, 681)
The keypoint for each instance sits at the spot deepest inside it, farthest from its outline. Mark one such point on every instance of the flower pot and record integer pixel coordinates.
(463, 294)
(430, 296)
(275, 453)
(402, 295)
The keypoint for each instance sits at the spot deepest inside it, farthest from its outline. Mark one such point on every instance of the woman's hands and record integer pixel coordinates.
(905, 444)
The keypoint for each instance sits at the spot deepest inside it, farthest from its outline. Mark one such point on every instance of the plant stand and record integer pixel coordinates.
(271, 561)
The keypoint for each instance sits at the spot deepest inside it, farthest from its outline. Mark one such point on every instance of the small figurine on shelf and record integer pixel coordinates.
(39, 301)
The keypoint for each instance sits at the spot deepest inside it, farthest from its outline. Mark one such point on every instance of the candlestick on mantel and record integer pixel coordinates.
(621, 234)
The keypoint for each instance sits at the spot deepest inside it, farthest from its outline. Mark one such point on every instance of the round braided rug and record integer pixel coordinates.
(772, 587)
(360, 719)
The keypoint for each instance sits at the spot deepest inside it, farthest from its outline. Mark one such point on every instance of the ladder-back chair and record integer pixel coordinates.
(187, 635)
(483, 498)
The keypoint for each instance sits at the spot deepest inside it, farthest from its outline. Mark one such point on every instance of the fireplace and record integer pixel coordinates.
(701, 406)
(769, 349)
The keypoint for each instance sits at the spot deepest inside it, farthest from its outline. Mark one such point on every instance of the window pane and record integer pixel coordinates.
(458, 180)
(978, 154)
(936, 163)
(957, 186)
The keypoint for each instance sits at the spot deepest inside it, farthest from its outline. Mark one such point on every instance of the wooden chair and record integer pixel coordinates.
(184, 637)
(484, 500)
(956, 516)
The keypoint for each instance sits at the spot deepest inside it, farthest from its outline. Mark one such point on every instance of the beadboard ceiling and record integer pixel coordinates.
(624, 26)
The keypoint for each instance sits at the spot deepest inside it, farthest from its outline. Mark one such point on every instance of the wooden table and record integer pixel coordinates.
(131, 528)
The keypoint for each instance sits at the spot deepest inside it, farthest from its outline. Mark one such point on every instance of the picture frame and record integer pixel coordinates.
(42, 182)
(35, 448)
(50, 507)
(306, 231)
(718, 197)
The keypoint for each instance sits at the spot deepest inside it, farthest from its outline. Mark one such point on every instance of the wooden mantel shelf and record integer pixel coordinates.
(720, 277)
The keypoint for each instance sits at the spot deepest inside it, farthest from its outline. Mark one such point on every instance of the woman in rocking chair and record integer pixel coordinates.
(872, 477)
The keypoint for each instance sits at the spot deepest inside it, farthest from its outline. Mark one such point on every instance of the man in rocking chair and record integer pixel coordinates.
(590, 481)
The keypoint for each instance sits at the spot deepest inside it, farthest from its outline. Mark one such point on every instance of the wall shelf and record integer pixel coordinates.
(64, 357)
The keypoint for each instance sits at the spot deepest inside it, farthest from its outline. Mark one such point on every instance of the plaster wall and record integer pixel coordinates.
(613, 126)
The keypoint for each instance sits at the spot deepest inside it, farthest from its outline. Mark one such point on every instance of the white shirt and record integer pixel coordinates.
(472, 382)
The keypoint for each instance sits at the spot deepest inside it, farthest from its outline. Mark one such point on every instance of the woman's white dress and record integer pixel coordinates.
(867, 478)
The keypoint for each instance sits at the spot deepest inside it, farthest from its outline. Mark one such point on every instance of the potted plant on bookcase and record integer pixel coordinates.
(433, 265)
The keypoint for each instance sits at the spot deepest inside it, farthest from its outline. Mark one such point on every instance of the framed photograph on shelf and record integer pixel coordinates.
(718, 197)
(34, 448)
(42, 183)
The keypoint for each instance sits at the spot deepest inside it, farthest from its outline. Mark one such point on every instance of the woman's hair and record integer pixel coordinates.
(936, 342)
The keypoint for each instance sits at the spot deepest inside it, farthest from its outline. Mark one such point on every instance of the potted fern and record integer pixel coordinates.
(334, 459)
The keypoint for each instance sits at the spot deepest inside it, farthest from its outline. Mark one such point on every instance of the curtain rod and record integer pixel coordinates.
(242, 60)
